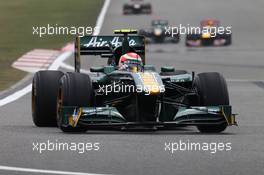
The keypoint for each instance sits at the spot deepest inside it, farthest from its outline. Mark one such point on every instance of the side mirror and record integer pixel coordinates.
(167, 69)
(97, 69)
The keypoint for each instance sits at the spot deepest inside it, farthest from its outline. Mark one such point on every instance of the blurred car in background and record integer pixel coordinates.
(137, 7)
(157, 33)
(214, 35)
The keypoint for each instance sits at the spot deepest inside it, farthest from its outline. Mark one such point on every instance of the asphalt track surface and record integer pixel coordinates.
(143, 152)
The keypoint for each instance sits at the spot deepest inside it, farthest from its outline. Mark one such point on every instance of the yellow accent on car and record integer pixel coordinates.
(134, 69)
(206, 35)
(232, 118)
(132, 31)
(150, 83)
(78, 117)
(223, 113)
(73, 122)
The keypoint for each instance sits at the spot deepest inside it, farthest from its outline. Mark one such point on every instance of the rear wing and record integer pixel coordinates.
(104, 46)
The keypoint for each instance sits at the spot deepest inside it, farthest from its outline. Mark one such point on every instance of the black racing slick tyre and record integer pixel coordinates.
(148, 8)
(45, 87)
(75, 90)
(212, 90)
(228, 38)
(126, 9)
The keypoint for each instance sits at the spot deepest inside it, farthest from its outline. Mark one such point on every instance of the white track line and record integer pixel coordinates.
(30, 170)
(20, 93)
(16, 95)
(101, 17)
(244, 80)
(56, 64)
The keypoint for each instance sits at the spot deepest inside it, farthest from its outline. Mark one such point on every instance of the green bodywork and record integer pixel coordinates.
(110, 116)
(173, 104)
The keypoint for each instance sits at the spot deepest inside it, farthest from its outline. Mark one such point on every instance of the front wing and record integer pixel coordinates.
(198, 40)
(110, 117)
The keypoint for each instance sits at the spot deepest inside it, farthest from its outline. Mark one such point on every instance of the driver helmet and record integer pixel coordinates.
(130, 62)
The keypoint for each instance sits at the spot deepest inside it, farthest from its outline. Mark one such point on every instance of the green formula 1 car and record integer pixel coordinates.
(157, 33)
(137, 97)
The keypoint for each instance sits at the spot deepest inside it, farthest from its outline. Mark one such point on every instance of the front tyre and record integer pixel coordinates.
(45, 87)
(212, 89)
(75, 90)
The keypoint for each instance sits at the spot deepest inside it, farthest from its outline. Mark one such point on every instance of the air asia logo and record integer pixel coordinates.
(101, 42)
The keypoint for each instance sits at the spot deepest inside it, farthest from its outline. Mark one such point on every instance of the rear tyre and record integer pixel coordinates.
(175, 39)
(126, 9)
(148, 8)
(228, 39)
(45, 87)
(212, 89)
(75, 90)
(191, 37)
